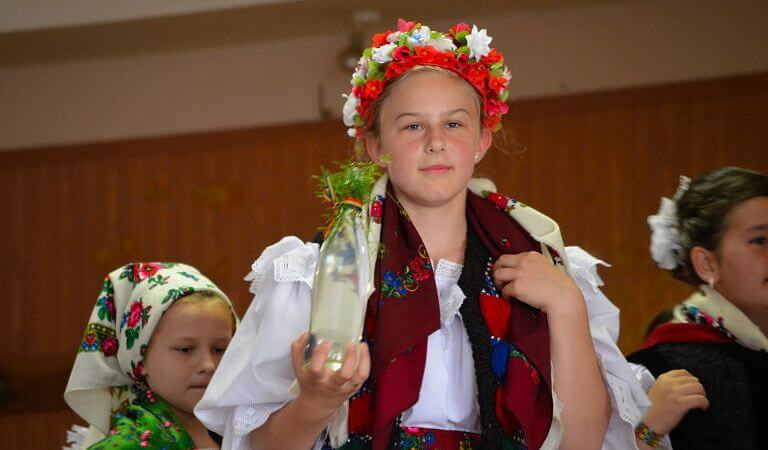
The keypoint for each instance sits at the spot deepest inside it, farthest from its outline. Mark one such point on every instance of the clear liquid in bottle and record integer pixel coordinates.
(341, 289)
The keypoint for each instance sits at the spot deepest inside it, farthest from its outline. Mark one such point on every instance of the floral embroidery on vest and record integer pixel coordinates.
(398, 284)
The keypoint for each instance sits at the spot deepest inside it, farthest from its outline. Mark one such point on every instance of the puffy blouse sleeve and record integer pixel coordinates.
(629, 401)
(255, 374)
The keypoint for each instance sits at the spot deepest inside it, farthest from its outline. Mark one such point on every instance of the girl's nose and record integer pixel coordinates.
(435, 140)
(208, 363)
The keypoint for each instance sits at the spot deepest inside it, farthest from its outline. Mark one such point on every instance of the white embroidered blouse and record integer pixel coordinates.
(255, 377)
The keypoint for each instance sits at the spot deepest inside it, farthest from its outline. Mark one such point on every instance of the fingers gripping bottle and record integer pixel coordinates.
(342, 282)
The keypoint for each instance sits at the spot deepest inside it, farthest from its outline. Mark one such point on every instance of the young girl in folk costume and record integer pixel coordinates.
(714, 235)
(476, 337)
(153, 341)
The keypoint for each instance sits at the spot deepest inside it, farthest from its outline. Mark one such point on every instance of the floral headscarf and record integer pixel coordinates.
(109, 359)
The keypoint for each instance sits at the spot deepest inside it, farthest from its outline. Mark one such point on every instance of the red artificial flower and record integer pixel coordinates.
(109, 346)
(495, 106)
(357, 91)
(395, 69)
(380, 39)
(404, 26)
(458, 28)
(492, 57)
(134, 316)
(476, 74)
(462, 60)
(497, 83)
(492, 122)
(372, 89)
(400, 53)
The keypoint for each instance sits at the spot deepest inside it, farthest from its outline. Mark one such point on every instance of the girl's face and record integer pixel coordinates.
(430, 127)
(185, 349)
(742, 259)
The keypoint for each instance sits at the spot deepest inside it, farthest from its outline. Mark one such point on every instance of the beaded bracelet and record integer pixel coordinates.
(647, 435)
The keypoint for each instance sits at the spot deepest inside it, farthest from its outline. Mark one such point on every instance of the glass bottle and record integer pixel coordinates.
(341, 289)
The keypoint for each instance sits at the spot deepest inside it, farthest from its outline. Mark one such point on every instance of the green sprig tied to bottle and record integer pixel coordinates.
(342, 282)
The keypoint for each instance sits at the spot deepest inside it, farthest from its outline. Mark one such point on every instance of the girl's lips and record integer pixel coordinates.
(436, 169)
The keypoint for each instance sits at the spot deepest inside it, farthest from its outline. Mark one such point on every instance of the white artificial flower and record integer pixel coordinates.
(478, 41)
(393, 38)
(664, 245)
(420, 37)
(351, 132)
(383, 54)
(349, 110)
(442, 44)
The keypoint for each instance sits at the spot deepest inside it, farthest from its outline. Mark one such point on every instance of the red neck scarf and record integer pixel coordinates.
(405, 310)
(691, 333)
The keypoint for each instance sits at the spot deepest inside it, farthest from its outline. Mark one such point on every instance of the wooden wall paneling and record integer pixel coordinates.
(597, 163)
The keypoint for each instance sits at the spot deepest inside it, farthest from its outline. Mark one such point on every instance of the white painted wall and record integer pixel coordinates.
(587, 48)
(23, 15)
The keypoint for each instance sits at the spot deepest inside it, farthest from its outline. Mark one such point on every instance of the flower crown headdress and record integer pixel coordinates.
(463, 50)
(665, 243)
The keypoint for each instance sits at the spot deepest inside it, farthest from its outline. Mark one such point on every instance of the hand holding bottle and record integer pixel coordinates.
(323, 390)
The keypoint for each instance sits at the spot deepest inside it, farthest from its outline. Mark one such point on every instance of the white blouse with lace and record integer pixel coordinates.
(255, 377)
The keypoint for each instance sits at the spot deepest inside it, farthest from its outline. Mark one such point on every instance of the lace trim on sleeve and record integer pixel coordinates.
(583, 268)
(297, 265)
(301, 262)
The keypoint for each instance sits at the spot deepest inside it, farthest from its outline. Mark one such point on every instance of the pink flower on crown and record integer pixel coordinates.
(496, 106)
(404, 26)
(458, 28)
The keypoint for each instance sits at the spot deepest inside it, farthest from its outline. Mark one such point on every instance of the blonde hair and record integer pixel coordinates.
(205, 296)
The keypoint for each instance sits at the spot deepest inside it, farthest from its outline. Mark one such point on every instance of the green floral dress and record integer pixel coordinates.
(146, 422)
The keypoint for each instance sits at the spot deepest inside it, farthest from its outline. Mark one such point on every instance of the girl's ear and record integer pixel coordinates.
(483, 144)
(705, 264)
(373, 148)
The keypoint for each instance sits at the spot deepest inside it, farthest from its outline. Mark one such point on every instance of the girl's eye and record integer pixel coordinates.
(453, 124)
(219, 350)
(413, 127)
(758, 240)
(184, 349)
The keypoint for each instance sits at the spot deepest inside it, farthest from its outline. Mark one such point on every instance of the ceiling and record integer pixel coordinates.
(123, 28)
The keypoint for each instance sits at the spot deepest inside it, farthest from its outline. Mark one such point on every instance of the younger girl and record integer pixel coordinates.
(714, 235)
(154, 339)
(476, 337)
